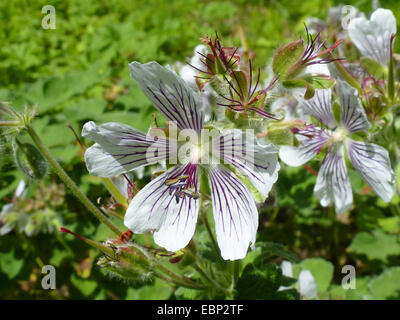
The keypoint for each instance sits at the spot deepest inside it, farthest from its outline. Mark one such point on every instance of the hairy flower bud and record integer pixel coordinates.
(29, 160)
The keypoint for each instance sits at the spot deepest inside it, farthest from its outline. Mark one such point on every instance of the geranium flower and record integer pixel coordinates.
(371, 161)
(374, 37)
(169, 204)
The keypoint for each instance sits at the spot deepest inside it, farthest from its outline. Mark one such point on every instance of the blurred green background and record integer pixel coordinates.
(79, 72)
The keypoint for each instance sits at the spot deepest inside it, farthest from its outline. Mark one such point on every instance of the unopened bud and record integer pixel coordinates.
(29, 159)
(286, 59)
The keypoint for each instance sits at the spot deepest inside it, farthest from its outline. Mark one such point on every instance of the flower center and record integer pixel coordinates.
(340, 134)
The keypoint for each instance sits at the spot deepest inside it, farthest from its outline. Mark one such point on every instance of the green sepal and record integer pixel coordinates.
(286, 59)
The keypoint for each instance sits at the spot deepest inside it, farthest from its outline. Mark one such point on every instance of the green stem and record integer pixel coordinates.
(210, 280)
(391, 80)
(179, 282)
(169, 272)
(69, 183)
(214, 243)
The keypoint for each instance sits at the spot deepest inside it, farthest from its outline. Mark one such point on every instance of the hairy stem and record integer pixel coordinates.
(69, 183)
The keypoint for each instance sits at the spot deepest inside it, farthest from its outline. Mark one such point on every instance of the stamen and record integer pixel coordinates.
(184, 183)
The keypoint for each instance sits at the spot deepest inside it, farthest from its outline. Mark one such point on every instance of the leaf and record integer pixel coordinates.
(376, 245)
(9, 264)
(277, 249)
(259, 284)
(321, 270)
(320, 81)
(158, 290)
(85, 286)
(390, 225)
(386, 285)
(310, 92)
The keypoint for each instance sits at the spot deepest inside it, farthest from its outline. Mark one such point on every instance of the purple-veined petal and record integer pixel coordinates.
(353, 115)
(155, 207)
(311, 140)
(235, 213)
(372, 37)
(373, 164)
(258, 162)
(120, 149)
(320, 106)
(333, 184)
(170, 94)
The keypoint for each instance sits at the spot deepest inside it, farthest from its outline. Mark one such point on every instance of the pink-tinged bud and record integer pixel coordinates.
(243, 96)
(219, 61)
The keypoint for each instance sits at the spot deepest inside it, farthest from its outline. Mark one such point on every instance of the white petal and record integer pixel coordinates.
(6, 209)
(307, 284)
(333, 184)
(311, 139)
(372, 37)
(187, 72)
(21, 189)
(170, 94)
(154, 208)
(320, 106)
(353, 115)
(120, 149)
(258, 162)
(373, 164)
(235, 214)
(287, 269)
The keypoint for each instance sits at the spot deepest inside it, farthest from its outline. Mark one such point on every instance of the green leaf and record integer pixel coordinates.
(321, 270)
(277, 249)
(158, 290)
(376, 245)
(390, 225)
(310, 92)
(373, 67)
(9, 264)
(386, 285)
(320, 81)
(294, 83)
(259, 284)
(85, 286)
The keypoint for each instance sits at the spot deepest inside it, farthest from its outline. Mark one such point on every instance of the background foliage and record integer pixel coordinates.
(79, 72)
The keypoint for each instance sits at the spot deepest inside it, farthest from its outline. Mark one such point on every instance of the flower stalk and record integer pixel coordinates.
(69, 182)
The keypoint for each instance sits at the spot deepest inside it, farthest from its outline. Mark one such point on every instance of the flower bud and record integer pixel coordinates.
(286, 59)
(29, 160)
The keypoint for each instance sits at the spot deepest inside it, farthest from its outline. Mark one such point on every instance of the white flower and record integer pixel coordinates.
(306, 284)
(372, 37)
(169, 204)
(369, 160)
